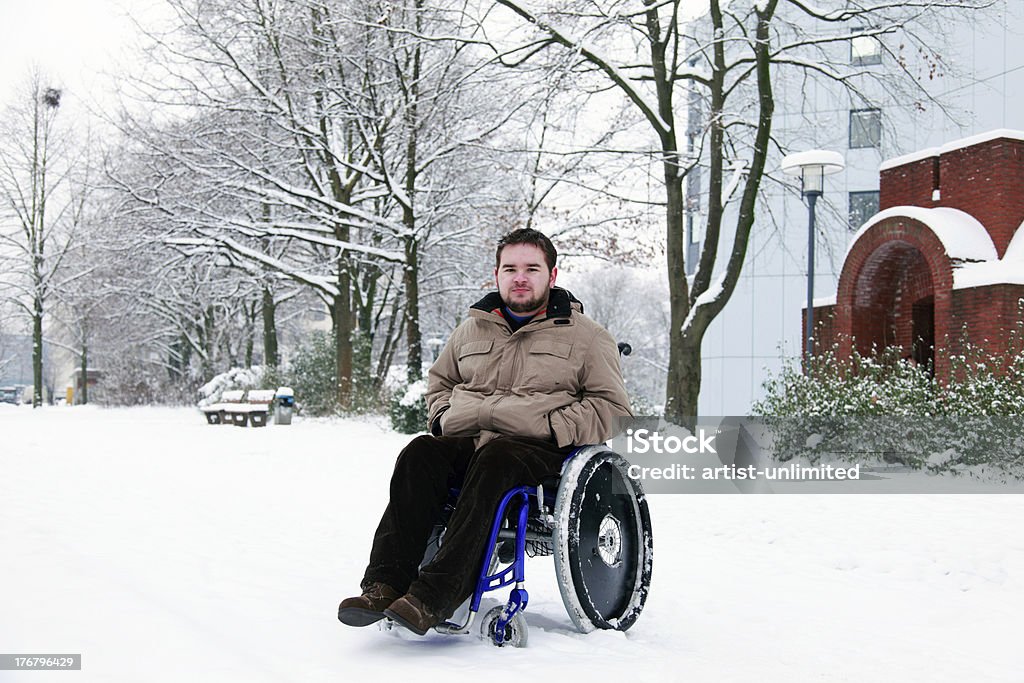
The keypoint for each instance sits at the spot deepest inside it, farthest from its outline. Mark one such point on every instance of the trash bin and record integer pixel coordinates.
(284, 405)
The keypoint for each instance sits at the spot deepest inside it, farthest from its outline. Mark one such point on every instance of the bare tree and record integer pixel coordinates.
(324, 142)
(664, 62)
(266, 136)
(43, 188)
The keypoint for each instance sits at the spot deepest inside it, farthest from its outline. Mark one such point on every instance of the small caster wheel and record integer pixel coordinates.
(516, 630)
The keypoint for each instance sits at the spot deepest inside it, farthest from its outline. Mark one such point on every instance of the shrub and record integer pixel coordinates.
(408, 408)
(882, 384)
(365, 397)
(312, 374)
(234, 378)
(887, 407)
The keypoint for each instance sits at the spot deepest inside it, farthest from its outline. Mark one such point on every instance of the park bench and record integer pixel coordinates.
(254, 410)
(216, 413)
(241, 408)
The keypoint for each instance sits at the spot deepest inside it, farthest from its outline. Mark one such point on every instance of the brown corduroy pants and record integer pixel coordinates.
(427, 468)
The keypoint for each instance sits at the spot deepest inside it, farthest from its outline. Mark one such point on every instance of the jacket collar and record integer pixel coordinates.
(561, 303)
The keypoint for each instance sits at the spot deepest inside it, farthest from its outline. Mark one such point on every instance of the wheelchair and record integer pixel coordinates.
(594, 519)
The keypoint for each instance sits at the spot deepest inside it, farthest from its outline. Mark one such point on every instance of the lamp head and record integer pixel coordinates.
(812, 167)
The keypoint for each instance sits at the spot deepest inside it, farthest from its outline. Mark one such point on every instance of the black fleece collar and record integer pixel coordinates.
(559, 303)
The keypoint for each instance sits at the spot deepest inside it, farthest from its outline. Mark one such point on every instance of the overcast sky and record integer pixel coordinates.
(74, 41)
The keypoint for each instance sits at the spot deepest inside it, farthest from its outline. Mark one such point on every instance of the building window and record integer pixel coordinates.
(865, 50)
(863, 205)
(865, 128)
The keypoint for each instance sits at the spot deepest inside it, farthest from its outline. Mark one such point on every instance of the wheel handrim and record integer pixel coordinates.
(602, 542)
(608, 586)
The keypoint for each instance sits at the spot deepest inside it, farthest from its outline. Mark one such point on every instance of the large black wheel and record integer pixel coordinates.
(602, 541)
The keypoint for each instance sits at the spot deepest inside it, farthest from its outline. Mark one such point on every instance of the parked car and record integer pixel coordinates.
(10, 395)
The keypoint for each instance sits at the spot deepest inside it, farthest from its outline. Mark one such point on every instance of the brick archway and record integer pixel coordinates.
(896, 290)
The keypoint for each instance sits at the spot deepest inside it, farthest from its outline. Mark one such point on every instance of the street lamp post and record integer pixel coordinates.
(812, 167)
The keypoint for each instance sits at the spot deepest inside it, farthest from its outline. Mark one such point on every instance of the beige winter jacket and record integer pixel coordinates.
(556, 378)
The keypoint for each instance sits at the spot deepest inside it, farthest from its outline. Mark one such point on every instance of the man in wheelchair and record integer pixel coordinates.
(521, 382)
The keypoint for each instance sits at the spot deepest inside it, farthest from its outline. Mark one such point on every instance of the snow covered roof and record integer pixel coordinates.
(985, 274)
(964, 238)
(1015, 250)
(951, 146)
(1008, 270)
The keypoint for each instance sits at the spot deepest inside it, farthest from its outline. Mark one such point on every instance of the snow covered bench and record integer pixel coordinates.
(240, 408)
(254, 410)
(216, 414)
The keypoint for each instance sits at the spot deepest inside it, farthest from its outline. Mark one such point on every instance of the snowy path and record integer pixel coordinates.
(164, 549)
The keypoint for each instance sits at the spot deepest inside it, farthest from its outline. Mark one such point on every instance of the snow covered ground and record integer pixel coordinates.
(164, 549)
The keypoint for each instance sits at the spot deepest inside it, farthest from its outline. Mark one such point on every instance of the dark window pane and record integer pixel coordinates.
(865, 128)
(863, 205)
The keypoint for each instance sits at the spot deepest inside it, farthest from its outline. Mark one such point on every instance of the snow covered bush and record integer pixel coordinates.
(985, 384)
(235, 378)
(882, 384)
(275, 376)
(408, 408)
(312, 373)
(365, 392)
(886, 407)
(642, 405)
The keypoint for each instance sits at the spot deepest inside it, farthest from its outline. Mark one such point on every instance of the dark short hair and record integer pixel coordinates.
(528, 236)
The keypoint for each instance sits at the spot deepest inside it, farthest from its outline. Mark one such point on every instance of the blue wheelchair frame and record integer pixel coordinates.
(516, 571)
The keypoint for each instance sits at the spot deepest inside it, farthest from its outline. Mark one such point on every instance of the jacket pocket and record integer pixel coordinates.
(548, 367)
(462, 416)
(551, 348)
(474, 360)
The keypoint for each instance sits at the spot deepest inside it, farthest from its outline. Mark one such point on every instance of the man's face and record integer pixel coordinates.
(524, 280)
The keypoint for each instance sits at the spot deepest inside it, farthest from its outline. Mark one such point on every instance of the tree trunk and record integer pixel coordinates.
(179, 356)
(84, 398)
(207, 343)
(37, 352)
(270, 357)
(413, 336)
(690, 378)
(680, 393)
(343, 328)
(684, 377)
(387, 350)
(411, 272)
(677, 386)
(688, 360)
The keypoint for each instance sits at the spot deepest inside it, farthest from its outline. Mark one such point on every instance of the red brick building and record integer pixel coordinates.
(944, 254)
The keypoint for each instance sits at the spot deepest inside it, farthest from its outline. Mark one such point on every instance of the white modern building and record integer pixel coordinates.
(980, 82)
